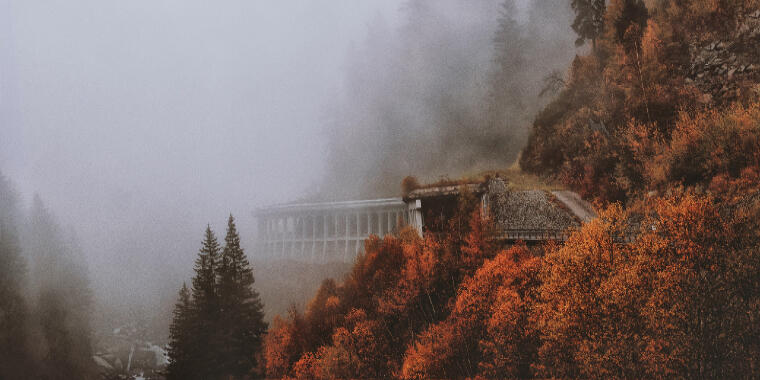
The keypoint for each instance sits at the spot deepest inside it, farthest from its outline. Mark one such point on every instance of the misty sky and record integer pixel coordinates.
(140, 121)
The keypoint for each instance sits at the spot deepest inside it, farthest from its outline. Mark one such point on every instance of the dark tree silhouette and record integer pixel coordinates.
(181, 338)
(205, 315)
(589, 20)
(13, 309)
(242, 325)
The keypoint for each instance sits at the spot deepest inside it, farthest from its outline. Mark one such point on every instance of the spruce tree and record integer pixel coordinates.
(15, 361)
(14, 357)
(589, 20)
(507, 94)
(181, 335)
(242, 321)
(205, 310)
(64, 297)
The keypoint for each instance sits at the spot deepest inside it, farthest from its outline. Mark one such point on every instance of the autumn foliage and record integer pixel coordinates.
(631, 109)
(669, 304)
(663, 284)
(676, 296)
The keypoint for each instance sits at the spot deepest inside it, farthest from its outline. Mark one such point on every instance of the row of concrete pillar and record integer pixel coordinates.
(328, 226)
(315, 235)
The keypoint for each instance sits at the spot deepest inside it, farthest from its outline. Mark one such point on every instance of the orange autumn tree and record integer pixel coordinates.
(713, 143)
(354, 352)
(486, 324)
(282, 346)
(677, 302)
(701, 306)
(587, 327)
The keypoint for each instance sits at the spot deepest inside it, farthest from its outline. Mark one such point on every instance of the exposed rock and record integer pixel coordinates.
(719, 66)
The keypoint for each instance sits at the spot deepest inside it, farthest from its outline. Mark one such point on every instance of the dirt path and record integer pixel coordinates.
(578, 206)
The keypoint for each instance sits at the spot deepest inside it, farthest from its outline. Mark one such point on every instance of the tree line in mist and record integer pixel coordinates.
(45, 300)
(452, 90)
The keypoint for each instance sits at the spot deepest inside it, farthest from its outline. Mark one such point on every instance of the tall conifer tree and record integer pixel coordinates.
(242, 321)
(205, 310)
(64, 301)
(181, 335)
(14, 358)
(589, 20)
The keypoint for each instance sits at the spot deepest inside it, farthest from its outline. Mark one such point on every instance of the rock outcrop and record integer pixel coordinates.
(722, 69)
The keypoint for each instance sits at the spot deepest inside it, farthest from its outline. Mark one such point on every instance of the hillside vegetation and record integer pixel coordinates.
(638, 124)
(668, 96)
(682, 300)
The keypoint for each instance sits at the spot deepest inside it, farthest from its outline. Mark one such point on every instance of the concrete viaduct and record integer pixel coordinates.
(335, 231)
(329, 231)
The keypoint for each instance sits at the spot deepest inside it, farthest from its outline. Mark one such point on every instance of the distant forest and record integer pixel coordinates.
(45, 299)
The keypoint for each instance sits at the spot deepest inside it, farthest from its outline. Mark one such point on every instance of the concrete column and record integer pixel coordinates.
(415, 215)
(287, 238)
(291, 236)
(358, 231)
(347, 238)
(262, 232)
(335, 223)
(303, 237)
(389, 216)
(324, 236)
(313, 235)
(283, 239)
(369, 223)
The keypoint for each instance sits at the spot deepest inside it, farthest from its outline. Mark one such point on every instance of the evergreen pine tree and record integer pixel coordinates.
(205, 310)
(64, 297)
(589, 20)
(181, 332)
(242, 321)
(507, 94)
(14, 358)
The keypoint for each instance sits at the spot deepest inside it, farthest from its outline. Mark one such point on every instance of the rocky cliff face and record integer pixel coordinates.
(723, 69)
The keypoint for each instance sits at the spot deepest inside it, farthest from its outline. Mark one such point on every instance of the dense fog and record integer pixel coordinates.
(127, 127)
(140, 122)
(450, 92)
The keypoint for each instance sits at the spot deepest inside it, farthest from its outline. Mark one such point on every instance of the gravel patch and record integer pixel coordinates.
(530, 210)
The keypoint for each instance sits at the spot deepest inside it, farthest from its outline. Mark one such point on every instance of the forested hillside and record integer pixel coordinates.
(451, 91)
(668, 95)
(659, 122)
